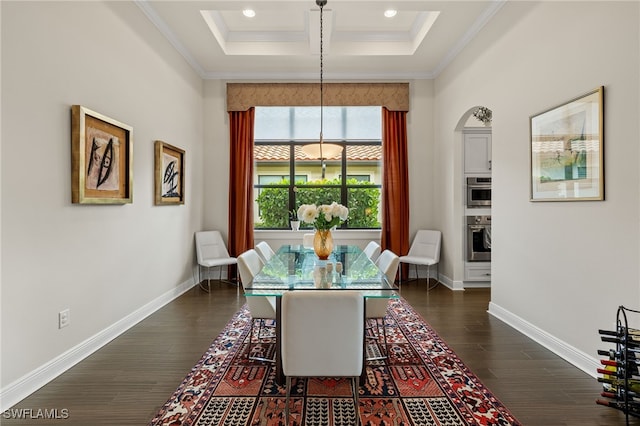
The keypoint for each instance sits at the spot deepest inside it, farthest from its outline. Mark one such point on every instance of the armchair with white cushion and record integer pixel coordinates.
(322, 336)
(261, 308)
(376, 307)
(211, 252)
(424, 251)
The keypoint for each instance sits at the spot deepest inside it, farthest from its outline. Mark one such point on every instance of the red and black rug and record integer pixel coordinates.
(421, 383)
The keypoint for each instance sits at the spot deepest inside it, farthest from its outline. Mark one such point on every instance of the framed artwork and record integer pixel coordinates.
(169, 174)
(567, 150)
(101, 159)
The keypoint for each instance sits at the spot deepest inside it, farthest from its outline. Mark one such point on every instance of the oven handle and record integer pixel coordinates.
(477, 227)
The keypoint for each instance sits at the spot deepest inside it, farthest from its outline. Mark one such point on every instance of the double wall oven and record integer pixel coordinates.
(478, 227)
(478, 192)
(478, 238)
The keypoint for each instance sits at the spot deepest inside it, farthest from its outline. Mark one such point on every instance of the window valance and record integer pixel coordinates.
(242, 96)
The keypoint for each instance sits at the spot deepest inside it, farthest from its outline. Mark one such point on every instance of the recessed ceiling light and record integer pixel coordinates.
(249, 13)
(390, 13)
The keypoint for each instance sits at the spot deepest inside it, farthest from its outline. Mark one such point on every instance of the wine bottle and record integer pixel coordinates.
(632, 367)
(631, 363)
(612, 354)
(619, 374)
(620, 394)
(621, 382)
(619, 405)
(629, 343)
(621, 332)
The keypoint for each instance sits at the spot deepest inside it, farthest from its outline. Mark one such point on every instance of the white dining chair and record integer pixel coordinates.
(265, 251)
(261, 308)
(424, 251)
(372, 250)
(376, 307)
(211, 252)
(322, 336)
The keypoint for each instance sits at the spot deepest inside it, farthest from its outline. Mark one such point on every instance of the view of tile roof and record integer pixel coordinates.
(281, 153)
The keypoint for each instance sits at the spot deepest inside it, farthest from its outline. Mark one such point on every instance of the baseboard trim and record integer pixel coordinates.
(31, 382)
(574, 356)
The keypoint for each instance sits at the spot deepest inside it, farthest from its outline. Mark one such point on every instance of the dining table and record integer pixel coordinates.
(297, 268)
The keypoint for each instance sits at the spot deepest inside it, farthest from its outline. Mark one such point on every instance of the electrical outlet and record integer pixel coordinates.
(64, 318)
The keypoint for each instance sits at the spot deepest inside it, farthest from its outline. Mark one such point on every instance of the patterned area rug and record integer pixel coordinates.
(421, 383)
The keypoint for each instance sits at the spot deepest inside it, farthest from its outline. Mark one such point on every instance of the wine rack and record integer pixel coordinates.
(619, 372)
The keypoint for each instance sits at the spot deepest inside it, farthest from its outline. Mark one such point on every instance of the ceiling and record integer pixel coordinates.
(282, 41)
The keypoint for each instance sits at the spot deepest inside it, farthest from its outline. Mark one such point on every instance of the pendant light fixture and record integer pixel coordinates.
(321, 150)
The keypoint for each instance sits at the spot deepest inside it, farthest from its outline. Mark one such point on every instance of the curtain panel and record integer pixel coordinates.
(241, 181)
(395, 183)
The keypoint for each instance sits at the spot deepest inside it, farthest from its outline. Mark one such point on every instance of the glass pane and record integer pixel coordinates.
(364, 207)
(364, 123)
(273, 161)
(272, 167)
(270, 210)
(306, 123)
(272, 123)
(333, 123)
(364, 161)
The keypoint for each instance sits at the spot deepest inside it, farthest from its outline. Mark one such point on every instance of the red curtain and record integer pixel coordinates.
(395, 182)
(241, 181)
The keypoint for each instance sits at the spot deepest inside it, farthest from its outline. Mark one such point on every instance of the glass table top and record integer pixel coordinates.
(295, 267)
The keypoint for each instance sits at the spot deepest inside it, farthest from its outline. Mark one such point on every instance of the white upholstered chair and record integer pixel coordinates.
(211, 251)
(376, 308)
(261, 307)
(425, 251)
(372, 250)
(265, 251)
(322, 336)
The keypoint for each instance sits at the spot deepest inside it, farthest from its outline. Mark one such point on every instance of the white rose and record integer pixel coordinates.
(310, 214)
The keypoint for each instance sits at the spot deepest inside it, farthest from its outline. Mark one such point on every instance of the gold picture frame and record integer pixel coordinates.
(101, 159)
(169, 174)
(567, 150)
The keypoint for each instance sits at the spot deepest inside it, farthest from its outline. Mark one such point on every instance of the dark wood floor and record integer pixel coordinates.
(128, 380)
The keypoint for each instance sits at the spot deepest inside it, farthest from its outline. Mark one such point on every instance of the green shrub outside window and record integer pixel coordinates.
(363, 201)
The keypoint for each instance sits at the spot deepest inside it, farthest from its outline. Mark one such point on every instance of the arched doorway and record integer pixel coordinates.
(473, 263)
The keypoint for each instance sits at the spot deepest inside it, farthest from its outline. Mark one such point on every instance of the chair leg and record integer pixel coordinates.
(377, 337)
(286, 402)
(429, 287)
(384, 338)
(208, 289)
(260, 328)
(251, 337)
(356, 401)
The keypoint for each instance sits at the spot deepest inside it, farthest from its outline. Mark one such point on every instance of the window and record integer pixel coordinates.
(286, 178)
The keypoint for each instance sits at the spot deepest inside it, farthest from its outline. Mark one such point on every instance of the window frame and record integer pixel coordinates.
(344, 186)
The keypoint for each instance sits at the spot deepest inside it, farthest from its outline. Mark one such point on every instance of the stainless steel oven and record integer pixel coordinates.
(478, 192)
(478, 238)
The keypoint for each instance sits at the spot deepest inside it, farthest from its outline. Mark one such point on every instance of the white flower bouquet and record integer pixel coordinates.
(324, 216)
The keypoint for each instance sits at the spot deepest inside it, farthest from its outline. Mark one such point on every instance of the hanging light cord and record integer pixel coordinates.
(321, 3)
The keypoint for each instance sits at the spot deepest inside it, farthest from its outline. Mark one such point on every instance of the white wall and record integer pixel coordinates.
(559, 270)
(107, 264)
(216, 157)
(424, 171)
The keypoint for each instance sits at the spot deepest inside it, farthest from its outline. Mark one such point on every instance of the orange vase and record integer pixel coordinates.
(323, 243)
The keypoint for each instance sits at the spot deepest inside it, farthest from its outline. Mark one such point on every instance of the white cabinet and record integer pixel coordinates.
(477, 271)
(477, 152)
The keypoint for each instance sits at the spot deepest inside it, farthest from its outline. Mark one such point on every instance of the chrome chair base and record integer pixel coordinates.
(208, 288)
